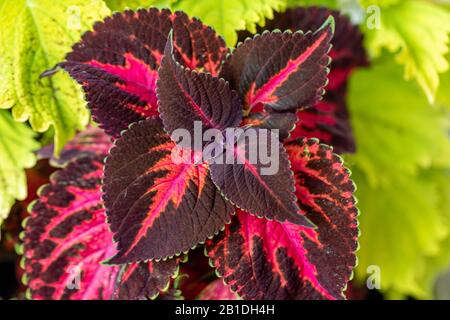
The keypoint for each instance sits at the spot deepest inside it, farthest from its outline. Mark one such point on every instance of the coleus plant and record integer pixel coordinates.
(328, 120)
(290, 235)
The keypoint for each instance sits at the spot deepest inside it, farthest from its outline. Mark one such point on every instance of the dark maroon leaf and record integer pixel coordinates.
(217, 290)
(284, 122)
(157, 208)
(263, 259)
(281, 71)
(66, 237)
(117, 62)
(92, 141)
(185, 96)
(263, 189)
(328, 120)
(347, 51)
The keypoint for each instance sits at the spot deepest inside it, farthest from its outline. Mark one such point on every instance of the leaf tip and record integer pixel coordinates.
(168, 50)
(329, 23)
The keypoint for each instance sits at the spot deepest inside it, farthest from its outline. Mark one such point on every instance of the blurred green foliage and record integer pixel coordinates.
(16, 153)
(401, 140)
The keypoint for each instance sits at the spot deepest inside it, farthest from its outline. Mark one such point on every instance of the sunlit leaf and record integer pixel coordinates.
(403, 226)
(120, 5)
(262, 188)
(35, 36)
(398, 137)
(281, 71)
(157, 208)
(66, 237)
(117, 64)
(378, 3)
(226, 17)
(16, 154)
(263, 259)
(328, 120)
(217, 290)
(418, 33)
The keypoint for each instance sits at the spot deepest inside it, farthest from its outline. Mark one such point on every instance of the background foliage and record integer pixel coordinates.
(399, 108)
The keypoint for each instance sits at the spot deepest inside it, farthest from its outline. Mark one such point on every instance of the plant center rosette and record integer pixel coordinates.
(120, 229)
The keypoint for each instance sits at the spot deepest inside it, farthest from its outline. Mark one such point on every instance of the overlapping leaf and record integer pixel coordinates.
(263, 259)
(379, 3)
(284, 122)
(16, 154)
(262, 189)
(423, 60)
(121, 5)
(229, 16)
(281, 71)
(409, 203)
(334, 4)
(67, 237)
(35, 36)
(89, 142)
(217, 290)
(393, 121)
(117, 63)
(327, 120)
(156, 207)
(144, 280)
(347, 51)
(185, 96)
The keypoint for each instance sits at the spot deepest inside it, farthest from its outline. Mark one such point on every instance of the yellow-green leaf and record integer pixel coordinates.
(404, 224)
(35, 35)
(443, 95)
(120, 5)
(418, 33)
(395, 128)
(16, 153)
(226, 17)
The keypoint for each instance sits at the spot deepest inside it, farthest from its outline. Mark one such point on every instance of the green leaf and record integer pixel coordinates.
(417, 32)
(378, 3)
(404, 223)
(120, 5)
(443, 95)
(436, 264)
(16, 153)
(403, 231)
(35, 36)
(334, 4)
(228, 16)
(395, 128)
